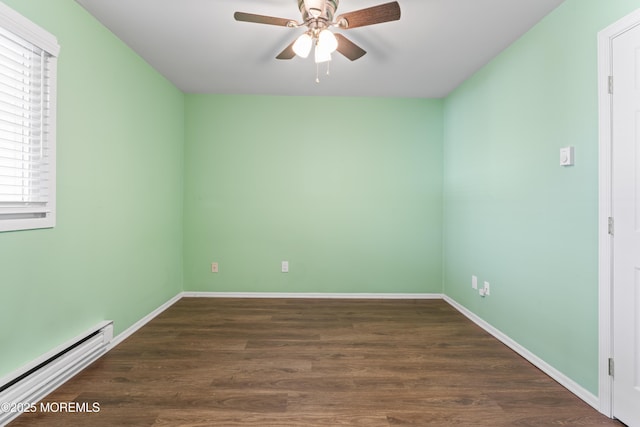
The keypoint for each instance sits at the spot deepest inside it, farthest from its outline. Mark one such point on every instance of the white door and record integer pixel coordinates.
(626, 234)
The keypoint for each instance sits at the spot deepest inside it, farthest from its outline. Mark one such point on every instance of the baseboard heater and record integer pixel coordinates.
(36, 380)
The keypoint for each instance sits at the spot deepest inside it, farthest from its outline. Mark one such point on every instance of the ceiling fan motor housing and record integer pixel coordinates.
(318, 13)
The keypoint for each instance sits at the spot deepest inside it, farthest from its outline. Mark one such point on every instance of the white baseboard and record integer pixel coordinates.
(558, 376)
(140, 323)
(295, 295)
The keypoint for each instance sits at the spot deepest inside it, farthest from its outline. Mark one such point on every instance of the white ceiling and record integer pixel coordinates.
(435, 46)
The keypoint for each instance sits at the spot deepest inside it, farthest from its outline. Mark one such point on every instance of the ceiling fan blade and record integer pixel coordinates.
(287, 53)
(348, 48)
(369, 16)
(262, 19)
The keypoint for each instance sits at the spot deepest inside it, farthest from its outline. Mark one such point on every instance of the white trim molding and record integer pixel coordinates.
(558, 376)
(24, 28)
(140, 323)
(301, 295)
(605, 242)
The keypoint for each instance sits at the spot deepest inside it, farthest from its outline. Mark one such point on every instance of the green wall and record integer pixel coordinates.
(348, 190)
(116, 251)
(514, 217)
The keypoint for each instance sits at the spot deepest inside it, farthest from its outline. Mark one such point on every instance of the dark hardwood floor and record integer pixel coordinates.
(277, 362)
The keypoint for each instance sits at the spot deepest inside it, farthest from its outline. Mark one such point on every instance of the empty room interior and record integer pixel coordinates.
(212, 198)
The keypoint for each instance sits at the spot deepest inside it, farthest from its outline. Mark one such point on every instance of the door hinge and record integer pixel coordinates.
(611, 85)
(610, 226)
(610, 366)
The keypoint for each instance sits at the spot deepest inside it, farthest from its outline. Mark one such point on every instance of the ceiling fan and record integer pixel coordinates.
(318, 16)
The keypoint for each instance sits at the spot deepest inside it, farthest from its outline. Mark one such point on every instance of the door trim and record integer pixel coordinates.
(605, 240)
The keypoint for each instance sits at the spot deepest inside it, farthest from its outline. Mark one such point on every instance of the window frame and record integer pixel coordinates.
(22, 27)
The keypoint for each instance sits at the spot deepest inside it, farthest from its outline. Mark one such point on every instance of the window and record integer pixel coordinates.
(28, 60)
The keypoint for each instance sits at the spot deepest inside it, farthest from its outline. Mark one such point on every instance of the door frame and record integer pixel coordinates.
(605, 240)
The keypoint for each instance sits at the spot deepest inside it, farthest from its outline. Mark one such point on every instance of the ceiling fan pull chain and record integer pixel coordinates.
(317, 73)
(328, 65)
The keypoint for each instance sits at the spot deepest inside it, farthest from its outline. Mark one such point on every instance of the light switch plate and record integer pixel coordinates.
(285, 266)
(566, 156)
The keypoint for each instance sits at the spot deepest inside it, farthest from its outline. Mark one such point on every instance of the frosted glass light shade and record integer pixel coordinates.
(302, 46)
(326, 45)
(327, 41)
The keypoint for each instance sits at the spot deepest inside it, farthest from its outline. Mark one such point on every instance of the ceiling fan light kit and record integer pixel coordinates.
(318, 16)
(327, 41)
(302, 45)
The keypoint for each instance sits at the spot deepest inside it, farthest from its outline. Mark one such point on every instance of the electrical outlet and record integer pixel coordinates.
(487, 288)
(474, 282)
(285, 266)
(214, 267)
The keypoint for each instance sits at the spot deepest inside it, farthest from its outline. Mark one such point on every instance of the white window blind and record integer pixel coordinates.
(27, 125)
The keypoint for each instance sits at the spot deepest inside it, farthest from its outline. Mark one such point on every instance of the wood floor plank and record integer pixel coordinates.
(314, 362)
(185, 418)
